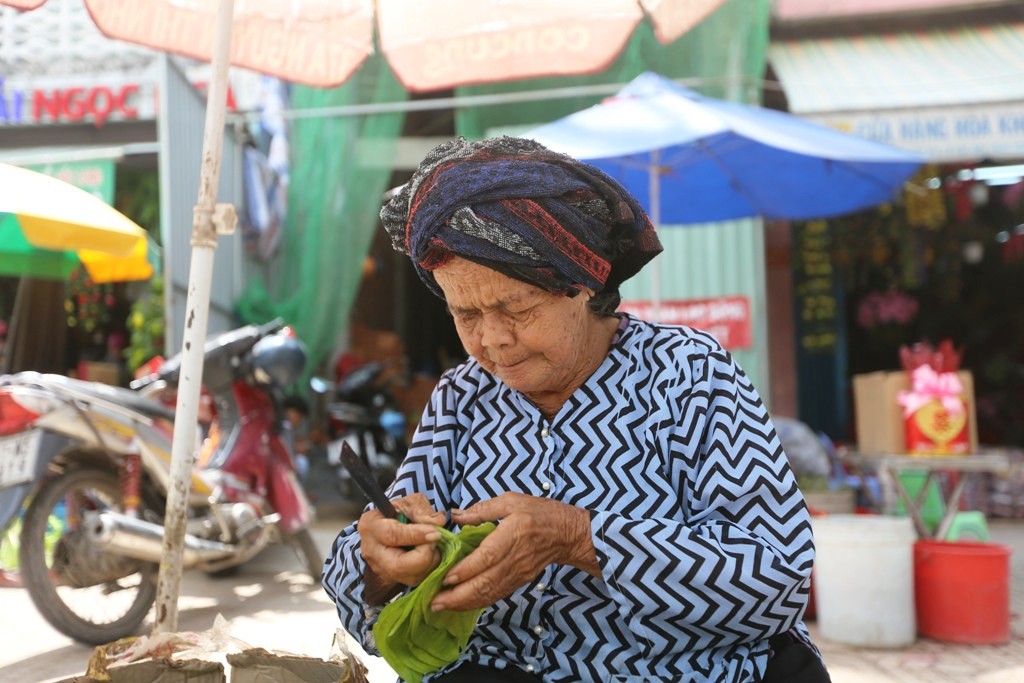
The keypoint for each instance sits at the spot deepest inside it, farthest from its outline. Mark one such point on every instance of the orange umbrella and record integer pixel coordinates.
(430, 45)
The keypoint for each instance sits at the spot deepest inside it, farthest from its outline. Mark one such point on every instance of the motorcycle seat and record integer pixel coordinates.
(147, 406)
(125, 397)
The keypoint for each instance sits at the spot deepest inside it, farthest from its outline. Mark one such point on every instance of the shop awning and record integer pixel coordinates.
(951, 94)
(967, 65)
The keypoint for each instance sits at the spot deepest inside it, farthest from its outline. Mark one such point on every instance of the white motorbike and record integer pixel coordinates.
(85, 469)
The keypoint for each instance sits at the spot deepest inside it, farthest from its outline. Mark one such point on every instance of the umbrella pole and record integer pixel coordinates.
(204, 243)
(654, 198)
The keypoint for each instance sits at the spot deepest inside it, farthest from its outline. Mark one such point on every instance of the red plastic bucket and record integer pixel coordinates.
(962, 591)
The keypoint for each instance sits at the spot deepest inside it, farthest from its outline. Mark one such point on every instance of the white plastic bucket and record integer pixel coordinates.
(864, 579)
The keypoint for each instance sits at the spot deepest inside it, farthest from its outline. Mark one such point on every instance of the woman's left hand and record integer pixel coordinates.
(533, 533)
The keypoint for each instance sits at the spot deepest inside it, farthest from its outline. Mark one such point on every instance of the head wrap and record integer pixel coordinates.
(519, 208)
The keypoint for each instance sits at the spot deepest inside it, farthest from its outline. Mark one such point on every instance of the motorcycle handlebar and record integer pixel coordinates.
(224, 345)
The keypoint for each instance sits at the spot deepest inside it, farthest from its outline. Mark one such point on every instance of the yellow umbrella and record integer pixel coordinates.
(49, 227)
(103, 267)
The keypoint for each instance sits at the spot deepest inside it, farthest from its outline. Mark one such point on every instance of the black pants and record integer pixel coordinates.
(791, 662)
(475, 673)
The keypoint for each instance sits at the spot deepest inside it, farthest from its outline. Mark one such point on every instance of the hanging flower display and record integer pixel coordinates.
(881, 308)
(146, 326)
(87, 304)
(924, 200)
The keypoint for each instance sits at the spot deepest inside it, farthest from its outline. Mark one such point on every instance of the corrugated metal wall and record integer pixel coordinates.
(182, 114)
(715, 259)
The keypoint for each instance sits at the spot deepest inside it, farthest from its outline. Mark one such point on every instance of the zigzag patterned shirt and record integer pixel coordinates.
(701, 533)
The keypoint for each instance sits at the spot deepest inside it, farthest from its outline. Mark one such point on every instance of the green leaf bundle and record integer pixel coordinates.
(416, 641)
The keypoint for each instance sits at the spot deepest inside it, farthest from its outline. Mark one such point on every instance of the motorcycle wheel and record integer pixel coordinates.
(309, 552)
(93, 614)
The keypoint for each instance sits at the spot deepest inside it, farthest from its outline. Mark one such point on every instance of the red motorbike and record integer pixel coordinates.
(85, 468)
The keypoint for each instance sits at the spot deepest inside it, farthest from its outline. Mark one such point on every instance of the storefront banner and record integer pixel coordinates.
(95, 177)
(94, 99)
(103, 98)
(726, 318)
(994, 131)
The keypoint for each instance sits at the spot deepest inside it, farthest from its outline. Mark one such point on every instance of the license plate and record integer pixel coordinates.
(18, 458)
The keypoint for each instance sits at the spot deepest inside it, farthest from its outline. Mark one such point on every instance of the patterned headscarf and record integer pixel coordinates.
(513, 205)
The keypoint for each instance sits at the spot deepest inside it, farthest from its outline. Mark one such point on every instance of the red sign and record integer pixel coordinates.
(97, 104)
(76, 103)
(726, 318)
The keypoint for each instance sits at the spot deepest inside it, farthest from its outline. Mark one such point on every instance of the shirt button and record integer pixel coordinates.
(544, 432)
(538, 629)
(546, 486)
(541, 587)
(529, 668)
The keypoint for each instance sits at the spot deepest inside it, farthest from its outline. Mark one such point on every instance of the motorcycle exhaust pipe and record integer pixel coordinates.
(117, 533)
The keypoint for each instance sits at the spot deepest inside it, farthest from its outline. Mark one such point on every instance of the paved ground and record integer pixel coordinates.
(271, 604)
(929, 661)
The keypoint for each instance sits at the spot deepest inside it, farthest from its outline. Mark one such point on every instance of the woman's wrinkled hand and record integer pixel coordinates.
(533, 533)
(399, 553)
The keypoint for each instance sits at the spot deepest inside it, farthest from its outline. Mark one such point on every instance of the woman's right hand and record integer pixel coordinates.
(399, 554)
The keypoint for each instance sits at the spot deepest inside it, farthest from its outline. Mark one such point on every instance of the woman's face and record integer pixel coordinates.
(535, 342)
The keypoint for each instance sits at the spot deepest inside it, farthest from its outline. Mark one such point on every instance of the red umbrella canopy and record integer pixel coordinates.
(430, 45)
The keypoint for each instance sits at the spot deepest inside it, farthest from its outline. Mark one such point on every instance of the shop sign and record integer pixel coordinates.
(817, 311)
(941, 134)
(726, 318)
(80, 101)
(95, 176)
(74, 103)
(96, 104)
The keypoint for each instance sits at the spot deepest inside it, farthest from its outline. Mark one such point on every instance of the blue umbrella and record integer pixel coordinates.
(695, 159)
(717, 160)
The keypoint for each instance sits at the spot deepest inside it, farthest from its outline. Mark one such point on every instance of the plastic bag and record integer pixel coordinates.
(804, 450)
(413, 639)
(211, 645)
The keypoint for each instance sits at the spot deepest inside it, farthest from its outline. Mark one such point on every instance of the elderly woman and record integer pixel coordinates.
(649, 527)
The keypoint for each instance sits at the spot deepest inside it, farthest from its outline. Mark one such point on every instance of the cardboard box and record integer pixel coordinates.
(251, 666)
(260, 666)
(159, 671)
(168, 671)
(879, 417)
(213, 656)
(94, 371)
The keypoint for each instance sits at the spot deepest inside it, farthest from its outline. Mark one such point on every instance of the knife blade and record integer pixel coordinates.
(362, 476)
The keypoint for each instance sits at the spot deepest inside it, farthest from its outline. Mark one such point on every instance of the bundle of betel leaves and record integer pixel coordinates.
(416, 641)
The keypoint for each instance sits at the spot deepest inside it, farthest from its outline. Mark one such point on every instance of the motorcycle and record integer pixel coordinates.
(85, 470)
(363, 413)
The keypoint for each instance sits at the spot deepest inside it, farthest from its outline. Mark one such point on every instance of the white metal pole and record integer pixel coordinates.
(204, 243)
(654, 196)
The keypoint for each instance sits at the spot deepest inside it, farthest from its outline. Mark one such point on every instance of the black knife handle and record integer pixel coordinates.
(362, 476)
